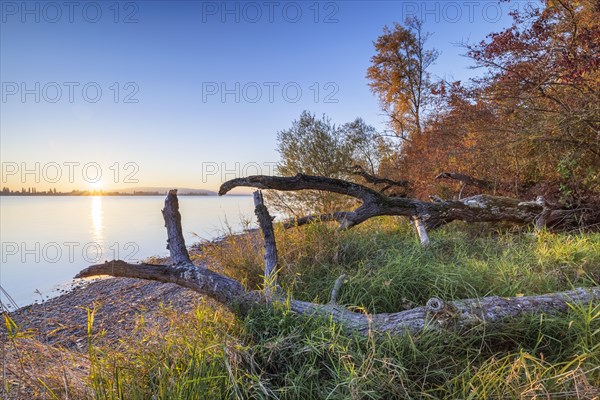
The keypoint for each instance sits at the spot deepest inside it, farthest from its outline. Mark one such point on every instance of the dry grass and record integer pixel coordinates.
(33, 370)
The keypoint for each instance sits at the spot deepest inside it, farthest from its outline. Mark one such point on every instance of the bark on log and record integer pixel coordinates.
(172, 217)
(266, 226)
(437, 314)
(480, 208)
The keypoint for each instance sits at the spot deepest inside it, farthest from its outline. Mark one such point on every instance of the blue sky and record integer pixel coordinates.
(136, 89)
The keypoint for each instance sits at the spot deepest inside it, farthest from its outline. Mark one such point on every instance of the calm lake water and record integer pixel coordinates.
(47, 240)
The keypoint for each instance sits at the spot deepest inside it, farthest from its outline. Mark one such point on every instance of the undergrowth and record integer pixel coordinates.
(273, 353)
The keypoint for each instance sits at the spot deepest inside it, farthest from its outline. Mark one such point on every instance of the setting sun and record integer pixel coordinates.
(95, 185)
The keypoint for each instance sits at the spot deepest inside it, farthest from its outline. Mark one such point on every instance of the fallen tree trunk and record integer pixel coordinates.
(435, 315)
(480, 208)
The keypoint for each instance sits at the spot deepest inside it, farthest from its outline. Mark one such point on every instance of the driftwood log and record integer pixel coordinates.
(436, 314)
(480, 208)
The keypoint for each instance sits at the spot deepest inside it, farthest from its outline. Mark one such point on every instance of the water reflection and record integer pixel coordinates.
(97, 218)
(112, 223)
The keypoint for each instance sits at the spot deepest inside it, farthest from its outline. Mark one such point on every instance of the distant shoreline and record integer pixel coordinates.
(112, 194)
(102, 194)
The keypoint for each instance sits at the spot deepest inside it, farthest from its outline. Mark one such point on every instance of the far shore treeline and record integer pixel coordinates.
(53, 192)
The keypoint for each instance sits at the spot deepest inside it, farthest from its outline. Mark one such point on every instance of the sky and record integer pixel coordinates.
(112, 95)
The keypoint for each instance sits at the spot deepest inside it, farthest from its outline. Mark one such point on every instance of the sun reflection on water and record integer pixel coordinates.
(97, 218)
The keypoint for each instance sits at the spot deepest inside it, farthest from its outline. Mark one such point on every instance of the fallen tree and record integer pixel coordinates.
(480, 208)
(436, 314)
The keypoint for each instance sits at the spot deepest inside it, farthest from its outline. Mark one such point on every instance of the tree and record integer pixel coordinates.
(316, 146)
(543, 80)
(398, 75)
(529, 126)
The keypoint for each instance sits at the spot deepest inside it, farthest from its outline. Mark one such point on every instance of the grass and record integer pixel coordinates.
(274, 353)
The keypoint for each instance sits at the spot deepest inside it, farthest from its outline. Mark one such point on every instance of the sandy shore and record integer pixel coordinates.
(63, 320)
(55, 333)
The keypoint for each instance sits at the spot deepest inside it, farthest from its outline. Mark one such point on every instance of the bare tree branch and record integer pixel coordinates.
(301, 182)
(437, 314)
(466, 179)
(376, 180)
(480, 208)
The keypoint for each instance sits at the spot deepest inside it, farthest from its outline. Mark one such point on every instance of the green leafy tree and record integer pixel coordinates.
(316, 146)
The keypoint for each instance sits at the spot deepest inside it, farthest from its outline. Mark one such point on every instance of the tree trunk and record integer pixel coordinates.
(436, 314)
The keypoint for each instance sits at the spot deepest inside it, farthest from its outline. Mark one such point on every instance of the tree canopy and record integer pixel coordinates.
(316, 146)
(529, 125)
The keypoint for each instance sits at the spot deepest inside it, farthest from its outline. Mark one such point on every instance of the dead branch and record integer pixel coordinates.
(175, 242)
(480, 208)
(376, 180)
(466, 180)
(337, 287)
(421, 231)
(437, 314)
(301, 182)
(266, 226)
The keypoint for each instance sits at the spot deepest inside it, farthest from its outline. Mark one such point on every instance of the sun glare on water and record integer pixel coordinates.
(96, 216)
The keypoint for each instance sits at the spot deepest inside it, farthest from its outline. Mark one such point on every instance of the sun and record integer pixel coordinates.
(96, 185)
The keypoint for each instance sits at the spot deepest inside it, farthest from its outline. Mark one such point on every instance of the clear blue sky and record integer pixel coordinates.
(174, 58)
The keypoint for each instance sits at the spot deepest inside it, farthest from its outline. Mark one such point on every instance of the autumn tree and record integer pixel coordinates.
(543, 80)
(399, 77)
(530, 125)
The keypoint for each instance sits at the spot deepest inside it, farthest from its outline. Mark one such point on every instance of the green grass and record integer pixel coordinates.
(274, 353)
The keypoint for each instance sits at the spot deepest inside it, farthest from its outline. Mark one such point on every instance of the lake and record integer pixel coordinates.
(46, 240)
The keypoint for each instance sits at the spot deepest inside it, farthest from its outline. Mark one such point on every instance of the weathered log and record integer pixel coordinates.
(172, 217)
(437, 314)
(200, 279)
(266, 226)
(480, 208)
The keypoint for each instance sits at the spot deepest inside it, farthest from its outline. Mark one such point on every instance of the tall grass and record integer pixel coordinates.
(273, 353)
